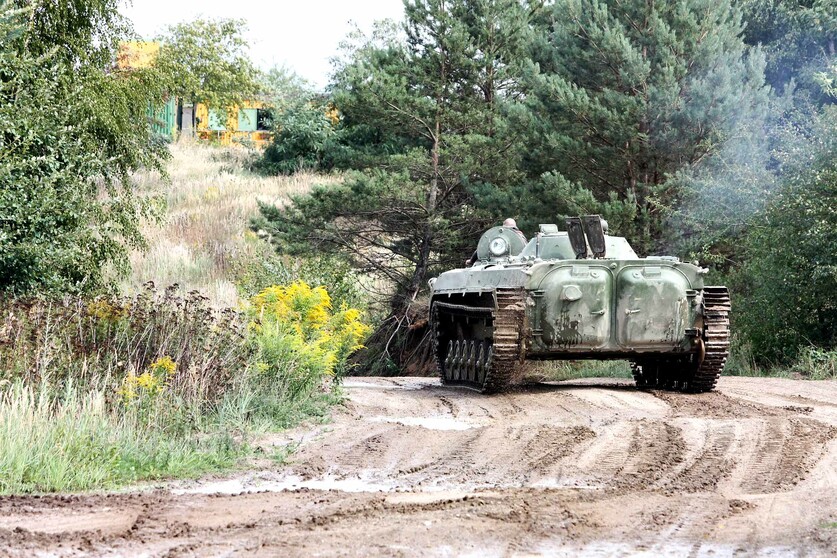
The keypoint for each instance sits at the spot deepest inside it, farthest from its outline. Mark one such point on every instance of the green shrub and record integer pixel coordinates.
(298, 325)
(816, 364)
(788, 283)
(303, 132)
(73, 130)
(265, 268)
(741, 361)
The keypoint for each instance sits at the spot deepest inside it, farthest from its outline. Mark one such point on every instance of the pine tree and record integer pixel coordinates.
(625, 93)
(799, 39)
(429, 107)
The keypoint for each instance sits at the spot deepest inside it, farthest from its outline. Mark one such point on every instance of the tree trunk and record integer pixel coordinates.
(423, 260)
(420, 273)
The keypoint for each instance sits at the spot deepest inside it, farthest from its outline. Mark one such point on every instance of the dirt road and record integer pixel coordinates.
(408, 468)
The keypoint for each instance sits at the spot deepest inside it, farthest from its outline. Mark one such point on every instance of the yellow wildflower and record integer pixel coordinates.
(104, 311)
(165, 366)
(317, 335)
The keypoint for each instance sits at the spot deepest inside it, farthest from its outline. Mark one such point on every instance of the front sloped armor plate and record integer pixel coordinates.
(652, 308)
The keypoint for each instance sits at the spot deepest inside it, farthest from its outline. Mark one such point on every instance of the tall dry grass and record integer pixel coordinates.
(210, 199)
(159, 381)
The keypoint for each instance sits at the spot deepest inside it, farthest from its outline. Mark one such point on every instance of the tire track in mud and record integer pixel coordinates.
(767, 449)
(549, 445)
(715, 405)
(630, 455)
(526, 449)
(605, 456)
(706, 461)
(655, 448)
(784, 454)
(560, 468)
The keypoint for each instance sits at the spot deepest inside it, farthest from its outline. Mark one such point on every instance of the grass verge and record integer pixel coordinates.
(99, 393)
(812, 363)
(560, 370)
(73, 440)
(210, 199)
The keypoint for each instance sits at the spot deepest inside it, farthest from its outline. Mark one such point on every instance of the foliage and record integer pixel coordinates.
(376, 202)
(303, 132)
(624, 94)
(283, 88)
(299, 333)
(721, 195)
(266, 268)
(558, 371)
(790, 277)
(816, 364)
(206, 62)
(827, 80)
(798, 40)
(160, 384)
(551, 197)
(125, 337)
(165, 342)
(71, 130)
(150, 383)
(423, 107)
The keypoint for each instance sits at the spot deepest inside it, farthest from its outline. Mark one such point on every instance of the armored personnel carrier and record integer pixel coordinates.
(577, 294)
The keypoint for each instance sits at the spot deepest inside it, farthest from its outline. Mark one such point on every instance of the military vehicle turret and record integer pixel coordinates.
(572, 295)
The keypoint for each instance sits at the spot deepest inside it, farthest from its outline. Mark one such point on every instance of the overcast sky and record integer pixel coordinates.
(301, 35)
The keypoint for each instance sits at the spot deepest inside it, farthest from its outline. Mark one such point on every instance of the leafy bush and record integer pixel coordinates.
(741, 361)
(72, 130)
(816, 364)
(300, 333)
(789, 282)
(264, 268)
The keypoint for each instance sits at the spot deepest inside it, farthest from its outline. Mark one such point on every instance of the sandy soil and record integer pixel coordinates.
(408, 468)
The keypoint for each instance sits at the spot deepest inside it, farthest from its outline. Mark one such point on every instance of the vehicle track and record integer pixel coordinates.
(409, 468)
(708, 457)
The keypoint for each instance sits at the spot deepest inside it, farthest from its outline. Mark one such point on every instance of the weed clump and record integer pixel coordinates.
(301, 340)
(105, 339)
(118, 389)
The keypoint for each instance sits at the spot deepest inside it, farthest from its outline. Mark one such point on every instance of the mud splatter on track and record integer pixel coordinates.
(409, 468)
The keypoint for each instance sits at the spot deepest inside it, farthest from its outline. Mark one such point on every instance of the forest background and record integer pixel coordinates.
(698, 129)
